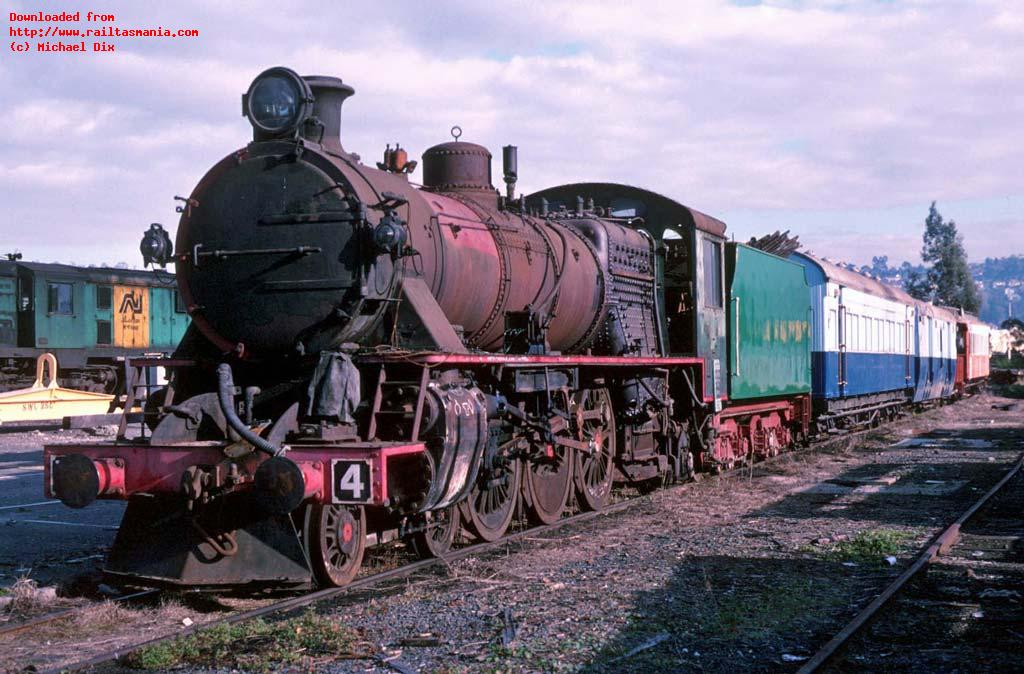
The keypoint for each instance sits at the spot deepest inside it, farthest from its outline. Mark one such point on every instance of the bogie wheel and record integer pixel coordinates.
(594, 423)
(439, 534)
(491, 504)
(335, 538)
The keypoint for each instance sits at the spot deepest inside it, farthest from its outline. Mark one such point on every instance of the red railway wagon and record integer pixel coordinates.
(972, 353)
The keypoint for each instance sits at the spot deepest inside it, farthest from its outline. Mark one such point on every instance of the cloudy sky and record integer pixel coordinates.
(840, 121)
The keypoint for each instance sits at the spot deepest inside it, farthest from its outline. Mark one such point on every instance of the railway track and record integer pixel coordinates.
(958, 607)
(291, 604)
(9, 629)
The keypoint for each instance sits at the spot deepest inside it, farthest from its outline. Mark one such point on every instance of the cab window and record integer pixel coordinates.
(712, 274)
(61, 298)
(25, 295)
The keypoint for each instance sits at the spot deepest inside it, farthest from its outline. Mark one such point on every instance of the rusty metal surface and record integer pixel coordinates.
(158, 469)
(456, 165)
(295, 216)
(526, 360)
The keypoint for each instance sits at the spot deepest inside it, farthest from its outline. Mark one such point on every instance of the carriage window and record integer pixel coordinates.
(179, 304)
(712, 274)
(104, 298)
(103, 333)
(61, 298)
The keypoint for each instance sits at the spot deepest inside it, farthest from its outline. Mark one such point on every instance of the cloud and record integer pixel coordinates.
(857, 113)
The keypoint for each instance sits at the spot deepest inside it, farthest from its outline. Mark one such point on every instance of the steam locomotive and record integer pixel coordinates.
(369, 358)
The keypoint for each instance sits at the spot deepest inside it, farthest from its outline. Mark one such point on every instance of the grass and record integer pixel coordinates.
(102, 617)
(759, 610)
(868, 547)
(24, 597)
(1010, 391)
(256, 645)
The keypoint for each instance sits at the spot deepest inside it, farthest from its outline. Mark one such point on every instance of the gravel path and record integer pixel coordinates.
(743, 574)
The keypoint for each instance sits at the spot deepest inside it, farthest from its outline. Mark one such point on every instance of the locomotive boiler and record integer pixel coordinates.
(369, 358)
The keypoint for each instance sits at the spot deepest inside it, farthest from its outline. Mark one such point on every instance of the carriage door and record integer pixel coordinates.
(842, 340)
(131, 319)
(907, 332)
(26, 308)
(930, 337)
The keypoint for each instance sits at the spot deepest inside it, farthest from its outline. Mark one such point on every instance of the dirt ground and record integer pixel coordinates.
(750, 573)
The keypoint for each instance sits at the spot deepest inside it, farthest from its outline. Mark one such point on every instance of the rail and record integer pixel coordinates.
(939, 546)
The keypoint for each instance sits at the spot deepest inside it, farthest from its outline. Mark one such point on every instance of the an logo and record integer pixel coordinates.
(131, 302)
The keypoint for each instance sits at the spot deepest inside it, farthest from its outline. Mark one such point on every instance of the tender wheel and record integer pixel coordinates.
(546, 485)
(437, 539)
(491, 504)
(591, 411)
(335, 537)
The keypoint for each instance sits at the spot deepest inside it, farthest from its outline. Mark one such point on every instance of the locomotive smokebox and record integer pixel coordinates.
(329, 93)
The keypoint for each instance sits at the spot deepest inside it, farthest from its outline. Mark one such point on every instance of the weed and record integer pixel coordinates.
(1010, 391)
(755, 610)
(257, 645)
(102, 617)
(869, 546)
(25, 597)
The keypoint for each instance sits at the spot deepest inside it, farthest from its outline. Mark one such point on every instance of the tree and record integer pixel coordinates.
(880, 265)
(947, 278)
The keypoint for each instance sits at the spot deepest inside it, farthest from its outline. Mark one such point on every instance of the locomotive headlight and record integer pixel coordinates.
(278, 101)
(389, 236)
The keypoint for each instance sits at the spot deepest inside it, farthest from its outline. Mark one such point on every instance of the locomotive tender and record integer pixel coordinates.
(368, 357)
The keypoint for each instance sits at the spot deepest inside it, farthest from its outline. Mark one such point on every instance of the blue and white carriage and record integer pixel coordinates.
(874, 347)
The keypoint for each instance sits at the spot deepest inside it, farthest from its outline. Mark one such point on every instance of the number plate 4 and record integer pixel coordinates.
(351, 481)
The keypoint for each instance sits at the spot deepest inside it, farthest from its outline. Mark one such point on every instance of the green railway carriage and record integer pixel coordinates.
(90, 318)
(767, 357)
(768, 325)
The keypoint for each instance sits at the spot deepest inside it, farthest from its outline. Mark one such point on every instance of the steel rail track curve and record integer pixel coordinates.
(293, 603)
(939, 546)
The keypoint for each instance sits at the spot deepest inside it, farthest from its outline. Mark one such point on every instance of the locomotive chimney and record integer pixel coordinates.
(328, 93)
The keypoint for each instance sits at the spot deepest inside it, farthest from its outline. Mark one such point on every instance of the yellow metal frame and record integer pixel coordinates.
(49, 402)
